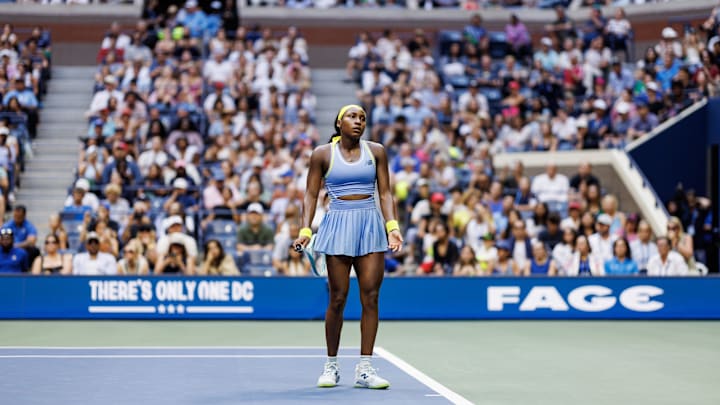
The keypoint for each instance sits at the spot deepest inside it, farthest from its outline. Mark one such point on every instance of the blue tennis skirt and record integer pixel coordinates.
(351, 228)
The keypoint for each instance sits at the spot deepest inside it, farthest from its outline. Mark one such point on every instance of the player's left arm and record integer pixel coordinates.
(387, 203)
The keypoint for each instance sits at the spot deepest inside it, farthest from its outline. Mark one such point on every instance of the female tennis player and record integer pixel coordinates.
(351, 234)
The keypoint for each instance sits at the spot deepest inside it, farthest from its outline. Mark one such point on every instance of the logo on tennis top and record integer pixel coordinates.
(369, 162)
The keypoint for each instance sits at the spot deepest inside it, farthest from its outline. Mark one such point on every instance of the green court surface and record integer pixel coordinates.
(497, 362)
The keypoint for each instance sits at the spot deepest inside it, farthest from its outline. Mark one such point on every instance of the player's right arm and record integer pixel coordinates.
(318, 163)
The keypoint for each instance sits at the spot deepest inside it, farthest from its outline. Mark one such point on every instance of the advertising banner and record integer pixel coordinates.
(27, 297)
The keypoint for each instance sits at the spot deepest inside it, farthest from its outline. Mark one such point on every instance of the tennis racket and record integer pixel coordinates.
(317, 260)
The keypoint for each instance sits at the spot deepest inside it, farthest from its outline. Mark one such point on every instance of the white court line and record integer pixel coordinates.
(219, 310)
(167, 356)
(422, 377)
(94, 309)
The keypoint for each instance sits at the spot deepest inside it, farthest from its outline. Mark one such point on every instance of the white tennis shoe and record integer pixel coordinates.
(366, 377)
(330, 376)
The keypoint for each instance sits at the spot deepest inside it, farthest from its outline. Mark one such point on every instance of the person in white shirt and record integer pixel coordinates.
(93, 262)
(666, 262)
(643, 247)
(155, 154)
(601, 242)
(551, 186)
(101, 98)
(473, 93)
(82, 190)
(174, 229)
(218, 69)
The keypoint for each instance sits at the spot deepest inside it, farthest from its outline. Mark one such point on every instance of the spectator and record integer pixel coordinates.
(293, 264)
(518, 37)
(643, 123)
(594, 26)
(602, 240)
(174, 234)
(551, 235)
(669, 44)
(584, 177)
(56, 228)
(485, 257)
(445, 252)
(621, 263)
(217, 262)
(176, 259)
(93, 262)
(562, 27)
(666, 262)
(585, 262)
(475, 34)
(154, 155)
(520, 244)
(551, 186)
(193, 18)
(467, 264)
(505, 265)
(118, 207)
(53, 261)
(618, 31)
(24, 232)
(102, 98)
(540, 263)
(562, 253)
(182, 195)
(12, 259)
(133, 262)
(254, 234)
(122, 165)
(681, 242)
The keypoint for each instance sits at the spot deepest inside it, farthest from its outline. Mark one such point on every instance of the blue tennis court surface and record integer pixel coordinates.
(232, 375)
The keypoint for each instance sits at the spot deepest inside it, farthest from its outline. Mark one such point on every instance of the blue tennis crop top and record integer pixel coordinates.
(343, 178)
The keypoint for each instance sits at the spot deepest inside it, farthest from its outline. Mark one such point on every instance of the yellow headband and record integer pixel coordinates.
(347, 107)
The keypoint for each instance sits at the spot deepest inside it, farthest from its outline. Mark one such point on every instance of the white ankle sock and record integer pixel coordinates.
(332, 360)
(365, 360)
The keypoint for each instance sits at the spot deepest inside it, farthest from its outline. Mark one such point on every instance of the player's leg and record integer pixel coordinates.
(370, 270)
(338, 268)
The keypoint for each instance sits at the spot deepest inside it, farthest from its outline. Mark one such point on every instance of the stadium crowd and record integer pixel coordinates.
(443, 111)
(199, 137)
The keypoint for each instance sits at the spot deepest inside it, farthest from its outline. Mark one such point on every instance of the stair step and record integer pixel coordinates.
(73, 72)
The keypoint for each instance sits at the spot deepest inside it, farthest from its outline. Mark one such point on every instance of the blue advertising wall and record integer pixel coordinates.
(679, 154)
(27, 297)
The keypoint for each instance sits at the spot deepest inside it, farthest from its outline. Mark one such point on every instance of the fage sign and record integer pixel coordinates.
(587, 298)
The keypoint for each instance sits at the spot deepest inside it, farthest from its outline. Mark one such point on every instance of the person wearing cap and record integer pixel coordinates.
(177, 259)
(181, 194)
(351, 233)
(101, 99)
(194, 18)
(81, 199)
(93, 262)
(600, 124)
(120, 154)
(644, 122)
(546, 55)
(254, 234)
(12, 259)
(601, 242)
(174, 233)
(504, 264)
(669, 43)
(621, 125)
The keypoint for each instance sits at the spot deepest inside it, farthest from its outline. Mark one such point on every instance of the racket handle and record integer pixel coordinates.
(298, 247)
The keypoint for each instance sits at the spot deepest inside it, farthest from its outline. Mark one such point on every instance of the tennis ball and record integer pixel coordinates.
(402, 189)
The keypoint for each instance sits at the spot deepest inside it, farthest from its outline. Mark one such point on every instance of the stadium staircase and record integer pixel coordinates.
(332, 93)
(51, 170)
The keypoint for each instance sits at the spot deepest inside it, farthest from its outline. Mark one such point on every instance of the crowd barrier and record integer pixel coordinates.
(28, 297)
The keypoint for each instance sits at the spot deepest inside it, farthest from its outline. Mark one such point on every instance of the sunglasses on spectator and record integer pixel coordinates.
(6, 231)
(51, 242)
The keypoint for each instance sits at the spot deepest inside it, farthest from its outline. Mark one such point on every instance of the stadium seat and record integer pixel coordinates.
(498, 45)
